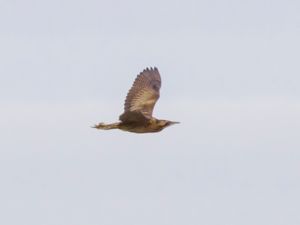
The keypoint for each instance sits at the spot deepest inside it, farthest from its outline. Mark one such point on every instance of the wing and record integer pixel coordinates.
(134, 117)
(143, 94)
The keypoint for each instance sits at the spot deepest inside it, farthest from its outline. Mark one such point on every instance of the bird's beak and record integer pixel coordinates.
(173, 122)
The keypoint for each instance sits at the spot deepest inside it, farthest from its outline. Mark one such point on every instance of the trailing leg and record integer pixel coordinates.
(103, 126)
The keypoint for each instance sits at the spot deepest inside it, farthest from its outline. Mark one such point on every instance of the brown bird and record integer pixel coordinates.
(139, 104)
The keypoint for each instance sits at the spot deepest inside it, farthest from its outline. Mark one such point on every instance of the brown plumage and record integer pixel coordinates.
(139, 105)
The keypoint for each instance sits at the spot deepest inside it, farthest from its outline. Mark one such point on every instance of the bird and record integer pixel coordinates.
(139, 105)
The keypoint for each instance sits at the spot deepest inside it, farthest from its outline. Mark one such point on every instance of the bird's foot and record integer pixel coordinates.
(99, 126)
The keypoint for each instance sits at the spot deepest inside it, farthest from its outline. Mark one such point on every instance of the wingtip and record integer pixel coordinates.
(150, 69)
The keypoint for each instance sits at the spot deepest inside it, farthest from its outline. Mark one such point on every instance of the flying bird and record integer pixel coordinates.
(139, 105)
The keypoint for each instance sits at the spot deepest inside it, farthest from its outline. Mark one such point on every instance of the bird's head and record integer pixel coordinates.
(165, 123)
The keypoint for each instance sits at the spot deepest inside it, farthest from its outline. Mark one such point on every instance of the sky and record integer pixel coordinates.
(230, 74)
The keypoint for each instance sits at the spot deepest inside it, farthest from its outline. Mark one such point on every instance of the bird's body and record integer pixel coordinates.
(139, 105)
(151, 126)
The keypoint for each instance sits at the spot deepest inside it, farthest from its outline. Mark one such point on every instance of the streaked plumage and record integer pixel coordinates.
(139, 105)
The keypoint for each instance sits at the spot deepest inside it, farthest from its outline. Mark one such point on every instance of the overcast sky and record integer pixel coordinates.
(230, 74)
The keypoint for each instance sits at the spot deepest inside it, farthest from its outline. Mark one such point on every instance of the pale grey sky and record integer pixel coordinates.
(230, 73)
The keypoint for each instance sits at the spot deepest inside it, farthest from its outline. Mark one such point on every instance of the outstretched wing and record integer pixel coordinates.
(143, 94)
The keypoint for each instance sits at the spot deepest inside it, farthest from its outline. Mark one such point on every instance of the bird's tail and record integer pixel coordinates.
(103, 126)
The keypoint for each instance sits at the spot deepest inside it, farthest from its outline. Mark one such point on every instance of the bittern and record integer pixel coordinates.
(139, 105)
